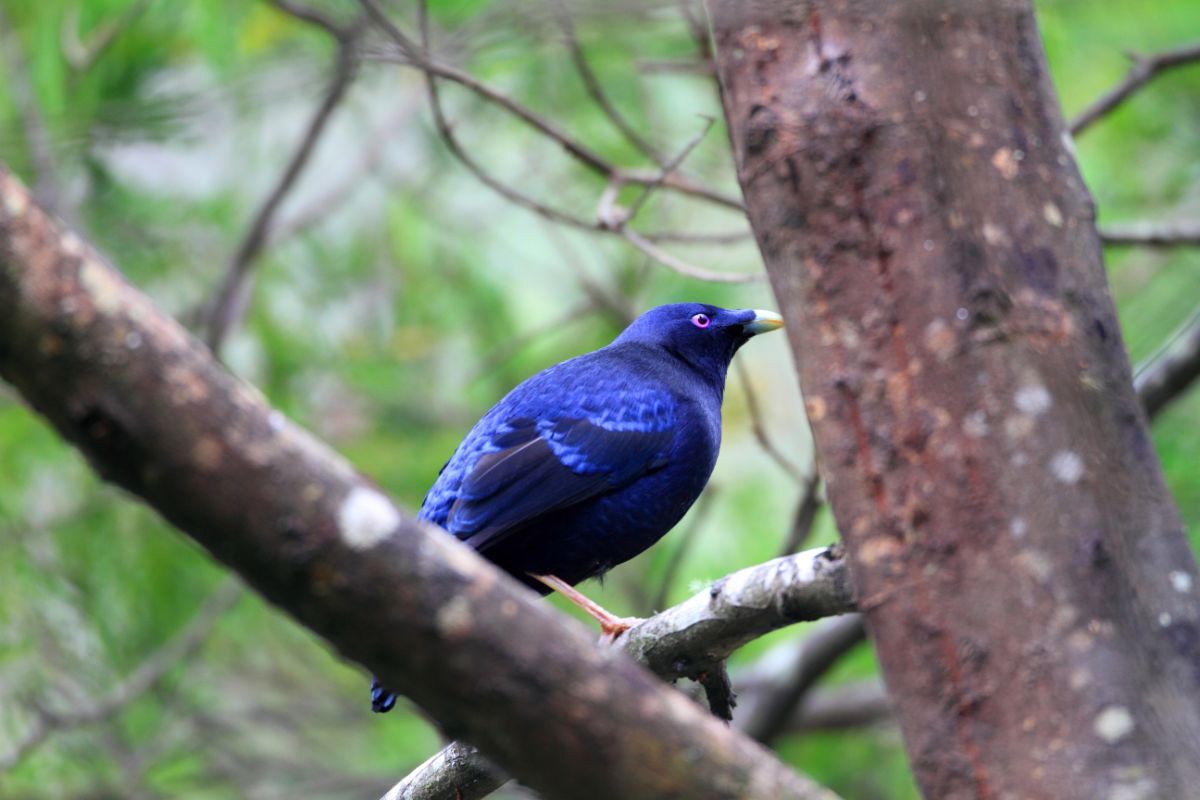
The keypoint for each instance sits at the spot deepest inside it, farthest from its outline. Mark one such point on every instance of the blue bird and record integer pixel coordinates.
(588, 463)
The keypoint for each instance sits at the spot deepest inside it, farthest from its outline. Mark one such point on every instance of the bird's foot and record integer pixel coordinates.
(611, 626)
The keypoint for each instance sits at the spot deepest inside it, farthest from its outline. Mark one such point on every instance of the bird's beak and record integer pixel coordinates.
(763, 321)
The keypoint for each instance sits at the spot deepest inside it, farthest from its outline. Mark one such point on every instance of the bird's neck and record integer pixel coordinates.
(711, 370)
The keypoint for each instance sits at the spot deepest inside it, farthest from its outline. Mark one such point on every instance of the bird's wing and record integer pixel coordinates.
(539, 466)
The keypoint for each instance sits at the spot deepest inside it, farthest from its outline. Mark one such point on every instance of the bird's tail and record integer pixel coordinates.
(381, 699)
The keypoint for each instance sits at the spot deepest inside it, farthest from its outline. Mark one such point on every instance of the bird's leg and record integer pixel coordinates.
(611, 626)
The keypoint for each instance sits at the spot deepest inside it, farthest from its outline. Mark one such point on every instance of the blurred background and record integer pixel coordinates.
(390, 297)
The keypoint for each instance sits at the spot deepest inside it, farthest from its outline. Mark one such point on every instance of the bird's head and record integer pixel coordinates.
(702, 335)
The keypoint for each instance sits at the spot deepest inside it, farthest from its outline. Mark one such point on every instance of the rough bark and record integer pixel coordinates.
(154, 413)
(690, 640)
(1023, 573)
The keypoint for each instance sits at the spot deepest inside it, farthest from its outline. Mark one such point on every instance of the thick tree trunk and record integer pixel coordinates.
(1024, 575)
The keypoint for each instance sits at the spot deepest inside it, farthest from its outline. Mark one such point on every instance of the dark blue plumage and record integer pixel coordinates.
(591, 461)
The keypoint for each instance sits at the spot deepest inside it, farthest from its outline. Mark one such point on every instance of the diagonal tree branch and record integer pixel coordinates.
(691, 640)
(230, 300)
(156, 414)
(773, 708)
(1144, 69)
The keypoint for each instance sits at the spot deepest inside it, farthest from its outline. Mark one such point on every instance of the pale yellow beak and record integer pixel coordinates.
(763, 321)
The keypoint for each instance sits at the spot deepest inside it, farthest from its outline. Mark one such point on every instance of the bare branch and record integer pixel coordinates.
(774, 705)
(596, 91)
(669, 168)
(1170, 371)
(456, 772)
(760, 431)
(699, 634)
(690, 640)
(683, 267)
(432, 70)
(1144, 69)
(698, 237)
(687, 66)
(1152, 234)
(230, 300)
(340, 31)
(144, 678)
(806, 513)
(851, 705)
(331, 198)
(412, 56)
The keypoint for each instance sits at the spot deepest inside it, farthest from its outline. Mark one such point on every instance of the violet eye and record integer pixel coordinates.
(700, 320)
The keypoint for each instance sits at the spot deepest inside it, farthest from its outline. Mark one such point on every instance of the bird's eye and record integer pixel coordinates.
(700, 320)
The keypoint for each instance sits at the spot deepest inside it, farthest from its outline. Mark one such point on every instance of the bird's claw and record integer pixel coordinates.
(612, 628)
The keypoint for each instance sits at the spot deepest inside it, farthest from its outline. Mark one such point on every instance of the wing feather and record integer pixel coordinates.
(547, 465)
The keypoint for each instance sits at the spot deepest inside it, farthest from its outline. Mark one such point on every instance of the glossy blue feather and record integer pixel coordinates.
(589, 462)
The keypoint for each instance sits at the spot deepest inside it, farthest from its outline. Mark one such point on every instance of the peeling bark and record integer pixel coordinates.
(1023, 573)
(154, 413)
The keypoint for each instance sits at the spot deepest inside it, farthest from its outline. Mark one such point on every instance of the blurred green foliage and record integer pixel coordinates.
(411, 301)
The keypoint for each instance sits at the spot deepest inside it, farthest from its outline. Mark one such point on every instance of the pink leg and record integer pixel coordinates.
(611, 626)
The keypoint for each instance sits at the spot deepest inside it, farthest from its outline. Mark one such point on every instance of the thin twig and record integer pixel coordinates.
(1172, 369)
(320, 208)
(230, 300)
(1152, 234)
(686, 66)
(695, 15)
(698, 237)
(446, 132)
(806, 513)
(1144, 69)
(340, 31)
(592, 84)
(410, 55)
(683, 267)
(432, 70)
(760, 432)
(669, 168)
(147, 675)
